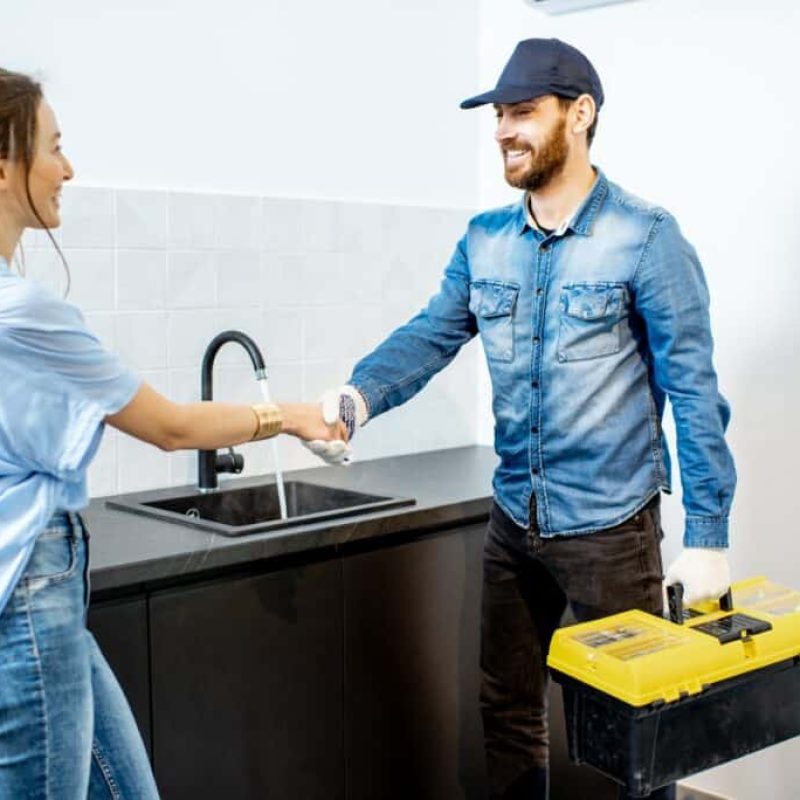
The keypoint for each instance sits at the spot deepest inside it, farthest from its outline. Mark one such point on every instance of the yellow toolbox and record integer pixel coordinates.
(650, 700)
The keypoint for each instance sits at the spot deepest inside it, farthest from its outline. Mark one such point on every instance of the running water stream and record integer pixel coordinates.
(264, 385)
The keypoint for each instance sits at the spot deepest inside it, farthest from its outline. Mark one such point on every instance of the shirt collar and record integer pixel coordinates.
(581, 221)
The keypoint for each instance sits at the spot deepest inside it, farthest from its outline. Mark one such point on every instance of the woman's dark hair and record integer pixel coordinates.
(20, 97)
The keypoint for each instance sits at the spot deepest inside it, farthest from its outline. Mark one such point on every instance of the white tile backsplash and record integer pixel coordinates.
(44, 265)
(360, 227)
(282, 338)
(141, 219)
(92, 274)
(342, 331)
(141, 339)
(237, 223)
(316, 283)
(141, 280)
(285, 279)
(238, 275)
(190, 221)
(191, 279)
(188, 334)
(299, 226)
(87, 217)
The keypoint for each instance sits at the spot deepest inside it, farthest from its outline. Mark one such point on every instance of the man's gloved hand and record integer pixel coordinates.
(345, 404)
(704, 572)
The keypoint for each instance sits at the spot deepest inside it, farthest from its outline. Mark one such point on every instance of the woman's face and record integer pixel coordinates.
(49, 169)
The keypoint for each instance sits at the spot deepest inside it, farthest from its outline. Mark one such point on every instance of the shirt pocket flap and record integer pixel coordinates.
(490, 299)
(592, 301)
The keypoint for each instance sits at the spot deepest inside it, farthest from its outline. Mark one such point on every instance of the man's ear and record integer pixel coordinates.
(3, 173)
(584, 112)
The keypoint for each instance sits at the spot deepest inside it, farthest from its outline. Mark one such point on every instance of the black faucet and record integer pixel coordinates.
(209, 463)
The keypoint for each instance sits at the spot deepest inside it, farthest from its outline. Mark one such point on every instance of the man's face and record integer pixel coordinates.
(533, 141)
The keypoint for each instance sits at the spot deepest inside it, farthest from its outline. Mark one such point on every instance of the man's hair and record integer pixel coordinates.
(564, 103)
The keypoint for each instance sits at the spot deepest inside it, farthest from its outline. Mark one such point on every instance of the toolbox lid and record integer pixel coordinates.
(642, 659)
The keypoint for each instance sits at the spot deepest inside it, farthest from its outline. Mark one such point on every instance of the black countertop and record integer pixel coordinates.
(451, 487)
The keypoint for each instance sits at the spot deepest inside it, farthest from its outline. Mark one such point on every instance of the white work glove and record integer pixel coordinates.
(346, 404)
(704, 572)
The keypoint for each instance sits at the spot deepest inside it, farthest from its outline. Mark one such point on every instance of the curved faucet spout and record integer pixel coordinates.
(208, 463)
(207, 369)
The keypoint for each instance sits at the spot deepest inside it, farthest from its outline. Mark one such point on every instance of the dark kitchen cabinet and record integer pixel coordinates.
(247, 687)
(354, 677)
(411, 647)
(120, 628)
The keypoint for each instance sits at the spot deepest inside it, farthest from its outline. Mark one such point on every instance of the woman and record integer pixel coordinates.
(66, 731)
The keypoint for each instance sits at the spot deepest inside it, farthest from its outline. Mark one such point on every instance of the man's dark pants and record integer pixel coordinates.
(527, 582)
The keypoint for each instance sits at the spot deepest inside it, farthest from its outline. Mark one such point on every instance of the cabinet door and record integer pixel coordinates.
(412, 625)
(247, 687)
(120, 628)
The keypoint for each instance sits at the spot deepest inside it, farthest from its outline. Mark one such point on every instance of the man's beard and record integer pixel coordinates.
(548, 161)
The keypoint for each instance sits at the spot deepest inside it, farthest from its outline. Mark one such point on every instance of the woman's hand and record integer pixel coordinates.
(305, 421)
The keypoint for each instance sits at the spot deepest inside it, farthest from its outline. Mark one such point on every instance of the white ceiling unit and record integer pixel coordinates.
(565, 6)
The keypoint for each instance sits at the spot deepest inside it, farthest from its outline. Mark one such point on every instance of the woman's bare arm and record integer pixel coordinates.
(155, 419)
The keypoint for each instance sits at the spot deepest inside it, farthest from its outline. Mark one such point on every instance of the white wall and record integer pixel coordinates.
(700, 116)
(356, 99)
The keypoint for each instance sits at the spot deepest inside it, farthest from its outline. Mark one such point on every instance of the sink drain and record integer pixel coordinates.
(194, 513)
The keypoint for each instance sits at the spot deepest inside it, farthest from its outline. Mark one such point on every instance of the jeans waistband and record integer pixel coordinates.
(67, 521)
(508, 527)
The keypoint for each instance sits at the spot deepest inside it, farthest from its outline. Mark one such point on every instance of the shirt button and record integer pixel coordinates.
(534, 429)
(544, 247)
(535, 384)
(536, 340)
(535, 470)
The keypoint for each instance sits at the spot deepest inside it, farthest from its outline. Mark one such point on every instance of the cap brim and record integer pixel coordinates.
(508, 94)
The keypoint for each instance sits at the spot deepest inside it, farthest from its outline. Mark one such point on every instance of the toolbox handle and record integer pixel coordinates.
(675, 602)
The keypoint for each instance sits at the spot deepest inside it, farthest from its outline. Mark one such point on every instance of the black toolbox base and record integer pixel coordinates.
(646, 748)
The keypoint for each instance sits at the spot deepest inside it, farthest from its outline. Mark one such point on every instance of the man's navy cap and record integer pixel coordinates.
(543, 66)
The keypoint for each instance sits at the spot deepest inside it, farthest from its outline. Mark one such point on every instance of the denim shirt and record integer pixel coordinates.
(586, 332)
(57, 384)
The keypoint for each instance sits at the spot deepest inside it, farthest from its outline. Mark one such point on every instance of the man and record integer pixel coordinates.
(592, 309)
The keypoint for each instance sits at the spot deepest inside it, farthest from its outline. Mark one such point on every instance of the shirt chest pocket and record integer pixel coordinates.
(493, 304)
(590, 320)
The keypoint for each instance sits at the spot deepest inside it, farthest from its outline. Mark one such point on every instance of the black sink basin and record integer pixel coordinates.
(249, 509)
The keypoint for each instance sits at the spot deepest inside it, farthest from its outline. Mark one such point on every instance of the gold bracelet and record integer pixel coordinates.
(270, 421)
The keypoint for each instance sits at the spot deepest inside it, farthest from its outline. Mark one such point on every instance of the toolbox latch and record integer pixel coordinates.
(734, 628)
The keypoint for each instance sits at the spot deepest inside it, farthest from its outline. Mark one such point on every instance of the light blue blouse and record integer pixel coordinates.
(57, 384)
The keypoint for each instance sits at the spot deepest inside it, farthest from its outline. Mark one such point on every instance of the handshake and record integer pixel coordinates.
(346, 409)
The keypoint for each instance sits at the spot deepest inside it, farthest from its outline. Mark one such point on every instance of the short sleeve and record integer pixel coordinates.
(50, 338)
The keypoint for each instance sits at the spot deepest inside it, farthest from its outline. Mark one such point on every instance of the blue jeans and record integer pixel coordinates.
(66, 730)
